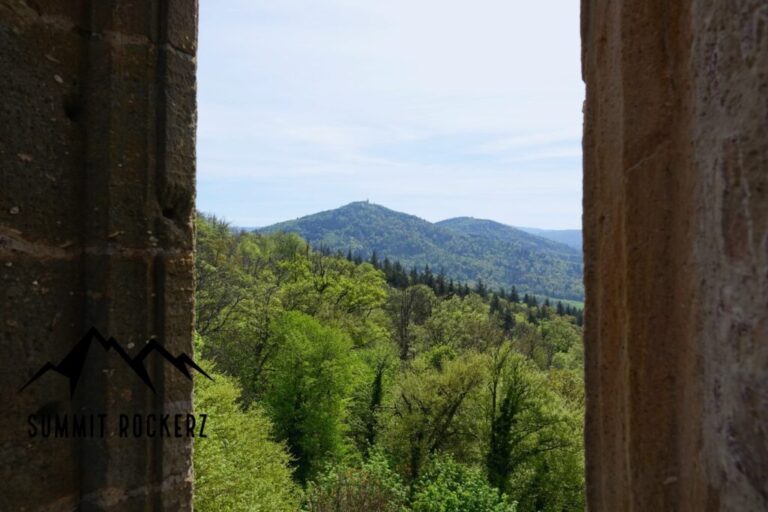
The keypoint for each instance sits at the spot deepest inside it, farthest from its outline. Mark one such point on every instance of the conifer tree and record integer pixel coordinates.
(387, 267)
(481, 289)
(508, 320)
(494, 305)
(440, 284)
(513, 296)
(428, 279)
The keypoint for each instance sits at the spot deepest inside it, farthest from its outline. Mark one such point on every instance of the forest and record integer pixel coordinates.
(343, 383)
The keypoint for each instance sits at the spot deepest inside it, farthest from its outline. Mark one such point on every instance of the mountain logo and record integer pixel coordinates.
(72, 365)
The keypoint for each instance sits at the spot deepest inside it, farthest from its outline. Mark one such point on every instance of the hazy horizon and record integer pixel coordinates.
(435, 109)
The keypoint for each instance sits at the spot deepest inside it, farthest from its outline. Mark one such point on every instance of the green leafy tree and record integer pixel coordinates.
(461, 323)
(409, 307)
(222, 284)
(237, 466)
(240, 278)
(558, 336)
(433, 408)
(529, 424)
(309, 381)
(371, 385)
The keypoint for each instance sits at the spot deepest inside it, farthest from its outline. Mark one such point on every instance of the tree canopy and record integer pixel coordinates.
(346, 383)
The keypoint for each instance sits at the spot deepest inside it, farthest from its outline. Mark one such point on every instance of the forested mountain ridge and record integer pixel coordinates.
(497, 231)
(465, 249)
(571, 237)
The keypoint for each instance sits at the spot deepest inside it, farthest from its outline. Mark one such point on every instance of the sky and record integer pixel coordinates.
(437, 108)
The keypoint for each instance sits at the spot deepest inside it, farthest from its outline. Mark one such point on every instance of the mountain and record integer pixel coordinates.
(571, 237)
(466, 249)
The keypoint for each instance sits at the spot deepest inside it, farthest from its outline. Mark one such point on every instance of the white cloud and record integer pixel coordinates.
(404, 100)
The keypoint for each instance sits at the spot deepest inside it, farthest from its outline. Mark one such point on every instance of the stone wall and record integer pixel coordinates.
(676, 254)
(96, 205)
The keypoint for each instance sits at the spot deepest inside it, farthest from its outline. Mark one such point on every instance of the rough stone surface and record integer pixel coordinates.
(97, 123)
(676, 254)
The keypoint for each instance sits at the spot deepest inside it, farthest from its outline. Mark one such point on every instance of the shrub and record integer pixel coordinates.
(373, 487)
(447, 486)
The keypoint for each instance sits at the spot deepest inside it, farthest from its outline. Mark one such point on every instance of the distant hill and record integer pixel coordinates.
(571, 237)
(466, 249)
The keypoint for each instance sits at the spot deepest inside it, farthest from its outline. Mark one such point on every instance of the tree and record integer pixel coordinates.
(308, 383)
(481, 289)
(428, 278)
(431, 407)
(221, 283)
(414, 277)
(239, 279)
(508, 320)
(558, 336)
(462, 324)
(237, 466)
(495, 304)
(371, 385)
(407, 307)
(527, 422)
(440, 286)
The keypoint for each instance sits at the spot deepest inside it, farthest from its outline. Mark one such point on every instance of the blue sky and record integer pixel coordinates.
(439, 108)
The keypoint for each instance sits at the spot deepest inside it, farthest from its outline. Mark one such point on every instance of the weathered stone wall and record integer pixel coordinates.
(676, 252)
(97, 123)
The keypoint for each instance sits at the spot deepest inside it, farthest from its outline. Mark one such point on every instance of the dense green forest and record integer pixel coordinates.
(350, 385)
(467, 249)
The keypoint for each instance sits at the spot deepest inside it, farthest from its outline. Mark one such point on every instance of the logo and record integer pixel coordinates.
(52, 424)
(72, 365)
